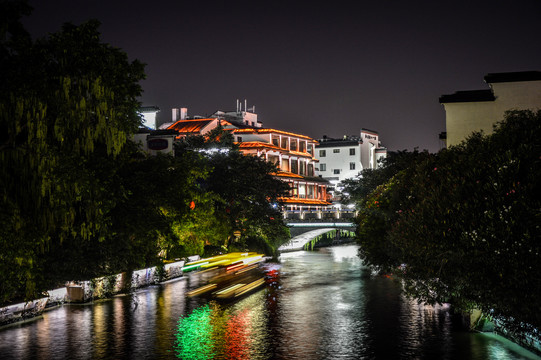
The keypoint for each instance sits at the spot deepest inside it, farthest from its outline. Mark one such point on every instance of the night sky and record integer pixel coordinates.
(327, 69)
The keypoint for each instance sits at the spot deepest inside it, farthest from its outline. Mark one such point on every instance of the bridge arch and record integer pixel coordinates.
(304, 233)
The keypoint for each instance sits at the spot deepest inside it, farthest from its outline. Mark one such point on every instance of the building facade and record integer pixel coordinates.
(479, 110)
(341, 159)
(292, 153)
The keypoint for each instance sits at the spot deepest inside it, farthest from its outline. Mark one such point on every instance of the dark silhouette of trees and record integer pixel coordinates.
(462, 226)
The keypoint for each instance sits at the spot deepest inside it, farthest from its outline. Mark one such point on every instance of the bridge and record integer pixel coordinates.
(308, 232)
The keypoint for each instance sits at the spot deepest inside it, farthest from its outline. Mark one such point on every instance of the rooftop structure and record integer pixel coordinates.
(479, 110)
(292, 153)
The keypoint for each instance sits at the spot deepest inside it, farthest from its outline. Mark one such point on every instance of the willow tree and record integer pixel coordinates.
(68, 104)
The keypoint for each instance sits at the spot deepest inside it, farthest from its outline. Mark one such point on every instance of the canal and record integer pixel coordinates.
(317, 305)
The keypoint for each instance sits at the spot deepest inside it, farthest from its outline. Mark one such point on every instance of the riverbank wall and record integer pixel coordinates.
(89, 290)
(482, 323)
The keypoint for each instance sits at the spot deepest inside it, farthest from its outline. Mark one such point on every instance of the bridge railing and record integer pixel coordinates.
(320, 215)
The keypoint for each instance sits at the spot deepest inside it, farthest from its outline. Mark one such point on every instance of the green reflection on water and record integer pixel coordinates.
(194, 335)
(211, 331)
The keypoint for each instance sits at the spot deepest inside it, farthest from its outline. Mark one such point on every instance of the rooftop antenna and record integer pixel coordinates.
(245, 105)
(237, 106)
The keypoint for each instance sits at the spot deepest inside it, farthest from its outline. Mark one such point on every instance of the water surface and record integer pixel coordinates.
(316, 305)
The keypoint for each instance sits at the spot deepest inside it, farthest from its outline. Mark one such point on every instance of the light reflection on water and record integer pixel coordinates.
(321, 306)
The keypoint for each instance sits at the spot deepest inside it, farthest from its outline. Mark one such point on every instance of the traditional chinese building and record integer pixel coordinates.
(292, 153)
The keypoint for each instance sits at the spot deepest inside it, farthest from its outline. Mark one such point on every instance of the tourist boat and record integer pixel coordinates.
(231, 275)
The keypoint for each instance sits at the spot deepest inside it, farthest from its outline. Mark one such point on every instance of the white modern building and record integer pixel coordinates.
(341, 159)
(479, 110)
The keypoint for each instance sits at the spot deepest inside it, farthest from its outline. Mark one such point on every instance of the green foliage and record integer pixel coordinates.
(357, 189)
(78, 200)
(67, 106)
(463, 225)
(240, 192)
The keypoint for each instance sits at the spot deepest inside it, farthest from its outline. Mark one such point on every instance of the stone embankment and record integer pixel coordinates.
(85, 291)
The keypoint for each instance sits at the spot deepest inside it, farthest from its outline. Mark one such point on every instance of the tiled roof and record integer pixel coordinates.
(369, 131)
(303, 201)
(195, 126)
(257, 145)
(288, 174)
(190, 126)
(269, 131)
(468, 96)
(145, 109)
(298, 153)
(337, 143)
(513, 76)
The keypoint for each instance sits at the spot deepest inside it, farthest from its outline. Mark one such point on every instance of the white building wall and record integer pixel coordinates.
(340, 162)
(463, 118)
(370, 142)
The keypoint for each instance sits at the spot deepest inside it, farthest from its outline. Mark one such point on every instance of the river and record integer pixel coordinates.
(317, 305)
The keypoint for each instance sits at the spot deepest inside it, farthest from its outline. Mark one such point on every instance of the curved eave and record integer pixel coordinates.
(270, 131)
(304, 201)
(288, 175)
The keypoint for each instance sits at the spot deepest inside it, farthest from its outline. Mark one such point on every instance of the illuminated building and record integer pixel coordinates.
(341, 159)
(292, 153)
(479, 110)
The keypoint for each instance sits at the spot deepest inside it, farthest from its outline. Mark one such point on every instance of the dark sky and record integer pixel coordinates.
(327, 69)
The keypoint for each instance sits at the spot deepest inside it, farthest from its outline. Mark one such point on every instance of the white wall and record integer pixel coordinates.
(338, 161)
(463, 118)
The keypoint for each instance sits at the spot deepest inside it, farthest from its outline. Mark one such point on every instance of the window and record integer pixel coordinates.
(336, 151)
(322, 153)
(293, 145)
(322, 167)
(239, 138)
(295, 166)
(352, 151)
(336, 171)
(352, 165)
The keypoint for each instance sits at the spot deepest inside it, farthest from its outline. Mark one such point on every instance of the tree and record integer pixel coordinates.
(463, 225)
(245, 211)
(67, 107)
(357, 189)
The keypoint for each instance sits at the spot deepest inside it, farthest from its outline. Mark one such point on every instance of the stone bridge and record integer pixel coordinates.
(304, 232)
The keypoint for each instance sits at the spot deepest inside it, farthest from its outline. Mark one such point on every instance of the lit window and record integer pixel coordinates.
(322, 153)
(322, 167)
(352, 151)
(336, 151)
(352, 165)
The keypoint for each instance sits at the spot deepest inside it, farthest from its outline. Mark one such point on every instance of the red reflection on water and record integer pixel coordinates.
(237, 332)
